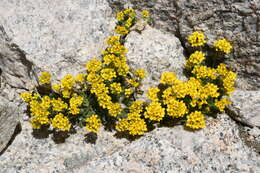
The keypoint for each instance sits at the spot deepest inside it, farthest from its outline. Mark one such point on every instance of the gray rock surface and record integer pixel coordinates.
(15, 68)
(29, 154)
(245, 109)
(15, 71)
(247, 105)
(239, 21)
(8, 122)
(217, 148)
(58, 36)
(155, 52)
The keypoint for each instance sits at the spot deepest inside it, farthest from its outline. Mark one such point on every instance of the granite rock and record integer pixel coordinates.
(155, 52)
(8, 122)
(15, 68)
(245, 109)
(58, 36)
(217, 148)
(238, 21)
(247, 105)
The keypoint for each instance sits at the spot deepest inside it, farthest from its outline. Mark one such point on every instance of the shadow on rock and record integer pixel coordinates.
(17, 130)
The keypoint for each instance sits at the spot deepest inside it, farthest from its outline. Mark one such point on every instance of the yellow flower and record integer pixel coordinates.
(66, 93)
(112, 40)
(221, 104)
(80, 78)
(168, 78)
(154, 111)
(140, 73)
(122, 30)
(196, 58)
(120, 16)
(152, 94)
(130, 12)
(223, 45)
(93, 65)
(176, 108)
(129, 22)
(45, 78)
(75, 102)
(108, 74)
(145, 13)
(209, 90)
(116, 88)
(133, 83)
(196, 39)
(136, 107)
(67, 82)
(58, 105)
(26, 96)
(56, 87)
(222, 69)
(195, 120)
(202, 72)
(94, 78)
(114, 109)
(229, 82)
(93, 123)
(61, 122)
(128, 92)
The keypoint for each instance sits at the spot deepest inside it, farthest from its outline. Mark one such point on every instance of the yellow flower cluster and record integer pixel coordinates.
(176, 108)
(229, 82)
(75, 102)
(80, 78)
(93, 123)
(108, 74)
(168, 78)
(195, 120)
(154, 111)
(94, 65)
(136, 107)
(58, 105)
(228, 78)
(223, 45)
(196, 39)
(61, 122)
(67, 83)
(221, 104)
(202, 71)
(39, 110)
(26, 96)
(122, 30)
(111, 85)
(140, 73)
(116, 88)
(112, 40)
(45, 78)
(133, 124)
(196, 58)
(152, 94)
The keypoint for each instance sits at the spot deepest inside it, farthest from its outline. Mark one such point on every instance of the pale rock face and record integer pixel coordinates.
(217, 148)
(247, 104)
(8, 121)
(155, 52)
(246, 107)
(58, 36)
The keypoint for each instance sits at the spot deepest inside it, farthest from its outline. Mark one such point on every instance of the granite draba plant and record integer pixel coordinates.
(107, 92)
